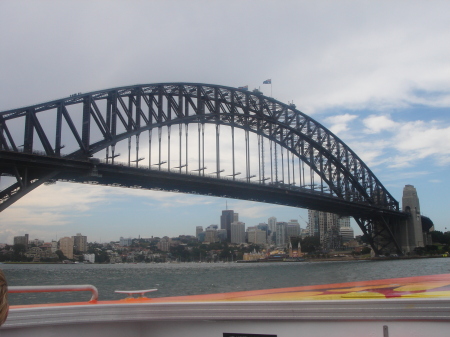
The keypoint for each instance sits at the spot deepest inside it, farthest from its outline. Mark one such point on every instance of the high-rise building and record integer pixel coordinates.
(257, 236)
(201, 236)
(313, 222)
(66, 246)
(304, 232)
(211, 234)
(293, 228)
(226, 219)
(327, 222)
(346, 233)
(22, 240)
(237, 232)
(344, 221)
(345, 229)
(272, 222)
(198, 230)
(263, 226)
(80, 243)
(281, 234)
(326, 226)
(222, 235)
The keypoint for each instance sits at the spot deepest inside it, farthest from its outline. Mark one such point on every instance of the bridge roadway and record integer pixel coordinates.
(93, 171)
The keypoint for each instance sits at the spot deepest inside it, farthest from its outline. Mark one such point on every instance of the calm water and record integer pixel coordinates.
(204, 278)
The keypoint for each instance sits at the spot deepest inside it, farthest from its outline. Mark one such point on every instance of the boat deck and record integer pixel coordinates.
(414, 306)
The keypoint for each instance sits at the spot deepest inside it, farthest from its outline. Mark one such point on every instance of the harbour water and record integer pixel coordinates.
(178, 279)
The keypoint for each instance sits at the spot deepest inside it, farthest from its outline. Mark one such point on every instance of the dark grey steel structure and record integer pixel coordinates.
(289, 143)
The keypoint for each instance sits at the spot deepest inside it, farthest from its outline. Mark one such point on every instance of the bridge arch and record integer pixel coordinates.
(145, 107)
(119, 114)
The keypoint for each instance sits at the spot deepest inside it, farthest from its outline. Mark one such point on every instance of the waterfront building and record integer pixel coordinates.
(253, 256)
(80, 243)
(226, 219)
(237, 232)
(21, 240)
(66, 246)
(281, 234)
(89, 258)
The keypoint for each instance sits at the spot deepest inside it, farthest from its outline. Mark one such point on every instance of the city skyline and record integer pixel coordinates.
(252, 223)
(374, 73)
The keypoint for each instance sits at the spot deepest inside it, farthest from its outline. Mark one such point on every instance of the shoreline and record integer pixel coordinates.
(331, 259)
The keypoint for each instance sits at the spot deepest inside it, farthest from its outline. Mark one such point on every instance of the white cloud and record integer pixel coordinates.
(424, 139)
(339, 123)
(376, 124)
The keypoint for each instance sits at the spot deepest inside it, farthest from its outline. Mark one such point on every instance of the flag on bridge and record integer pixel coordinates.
(245, 87)
(269, 81)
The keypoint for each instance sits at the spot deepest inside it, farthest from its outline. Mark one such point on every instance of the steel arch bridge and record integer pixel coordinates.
(285, 142)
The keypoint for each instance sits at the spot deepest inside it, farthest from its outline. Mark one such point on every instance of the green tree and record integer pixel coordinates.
(310, 244)
(61, 256)
(365, 251)
(439, 237)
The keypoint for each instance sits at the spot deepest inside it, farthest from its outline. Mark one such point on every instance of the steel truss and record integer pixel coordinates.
(122, 113)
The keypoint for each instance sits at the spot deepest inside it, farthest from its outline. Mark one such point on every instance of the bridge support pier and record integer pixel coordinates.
(381, 233)
(410, 234)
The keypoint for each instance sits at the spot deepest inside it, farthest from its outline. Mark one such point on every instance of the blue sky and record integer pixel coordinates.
(375, 73)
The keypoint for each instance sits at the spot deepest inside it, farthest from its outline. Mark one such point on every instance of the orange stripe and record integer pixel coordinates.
(419, 286)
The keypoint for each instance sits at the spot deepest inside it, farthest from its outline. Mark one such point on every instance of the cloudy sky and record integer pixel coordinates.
(376, 73)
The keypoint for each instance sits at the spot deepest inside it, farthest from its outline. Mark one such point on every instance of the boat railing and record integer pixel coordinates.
(55, 289)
